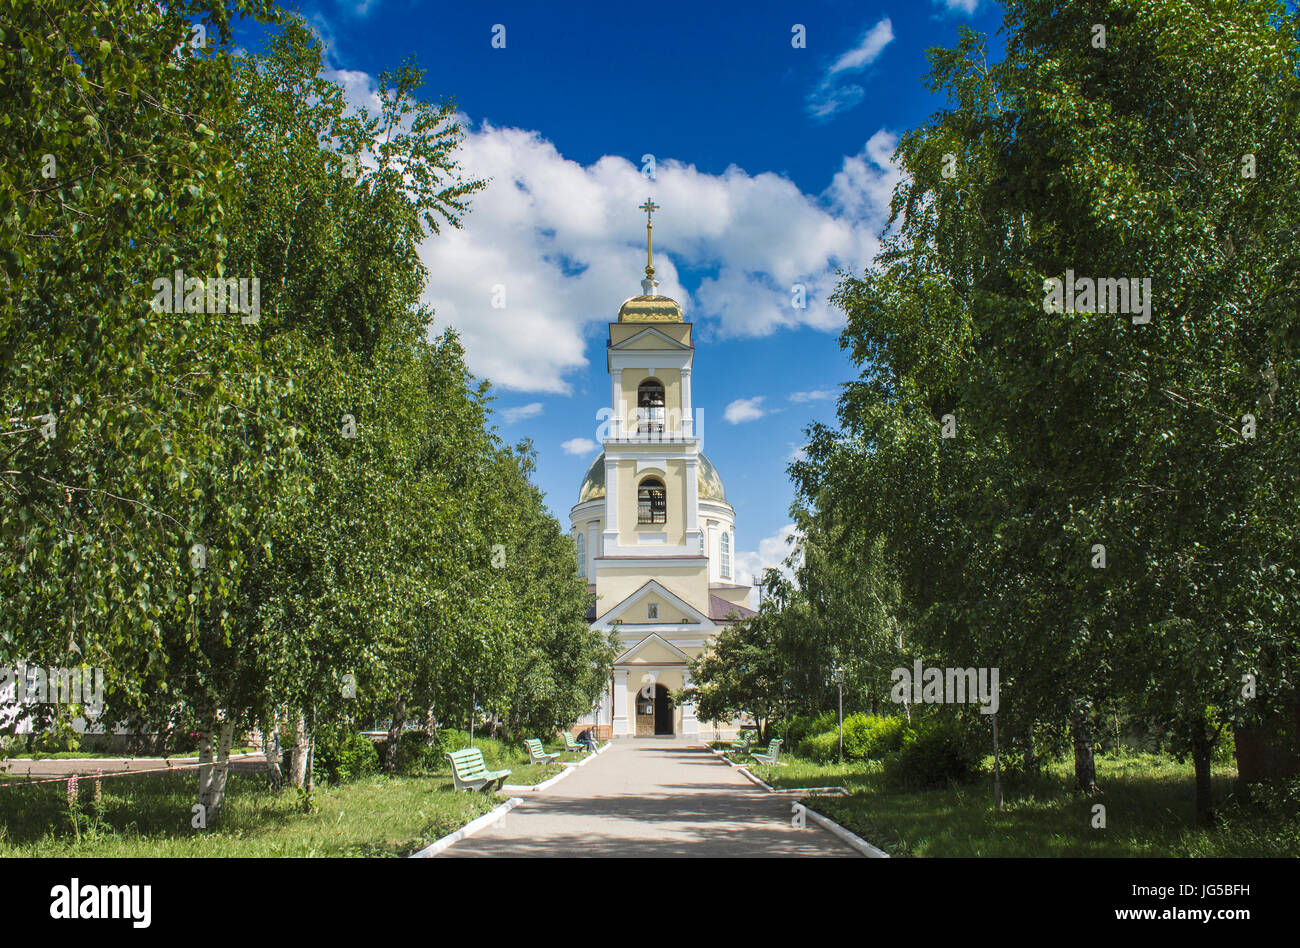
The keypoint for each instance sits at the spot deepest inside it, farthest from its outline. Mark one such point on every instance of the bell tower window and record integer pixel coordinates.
(651, 501)
(725, 555)
(650, 407)
(582, 554)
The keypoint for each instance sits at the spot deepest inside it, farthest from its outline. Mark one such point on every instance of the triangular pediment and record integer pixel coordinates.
(628, 610)
(652, 650)
(649, 339)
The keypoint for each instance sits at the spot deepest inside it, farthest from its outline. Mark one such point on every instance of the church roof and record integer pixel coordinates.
(710, 484)
(719, 609)
(650, 309)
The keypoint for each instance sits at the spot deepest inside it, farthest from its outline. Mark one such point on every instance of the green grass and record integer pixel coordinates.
(97, 755)
(149, 815)
(1149, 800)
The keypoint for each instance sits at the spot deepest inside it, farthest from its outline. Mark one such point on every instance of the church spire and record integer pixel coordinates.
(649, 283)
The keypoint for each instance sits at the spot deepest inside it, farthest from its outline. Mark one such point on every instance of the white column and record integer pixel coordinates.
(690, 726)
(693, 503)
(713, 552)
(611, 504)
(620, 702)
(688, 422)
(616, 402)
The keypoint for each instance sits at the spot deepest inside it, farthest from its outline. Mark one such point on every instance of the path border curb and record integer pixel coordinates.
(846, 836)
(468, 830)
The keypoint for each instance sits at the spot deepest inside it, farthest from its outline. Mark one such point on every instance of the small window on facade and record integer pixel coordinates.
(725, 557)
(582, 554)
(652, 610)
(652, 502)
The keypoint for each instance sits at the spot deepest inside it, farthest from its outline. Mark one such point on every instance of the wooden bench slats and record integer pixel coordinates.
(469, 770)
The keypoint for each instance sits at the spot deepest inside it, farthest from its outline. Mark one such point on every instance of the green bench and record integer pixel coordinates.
(469, 772)
(572, 745)
(536, 753)
(747, 736)
(769, 756)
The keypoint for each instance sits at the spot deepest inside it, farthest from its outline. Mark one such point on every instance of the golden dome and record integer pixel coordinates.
(710, 484)
(650, 309)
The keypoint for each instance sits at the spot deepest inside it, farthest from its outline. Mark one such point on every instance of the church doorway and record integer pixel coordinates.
(663, 711)
(654, 715)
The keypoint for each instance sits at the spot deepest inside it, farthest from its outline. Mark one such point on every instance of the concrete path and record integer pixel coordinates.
(651, 797)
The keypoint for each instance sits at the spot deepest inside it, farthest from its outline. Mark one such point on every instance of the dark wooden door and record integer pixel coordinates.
(663, 711)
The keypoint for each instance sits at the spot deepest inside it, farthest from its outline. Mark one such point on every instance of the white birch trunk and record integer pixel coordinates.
(222, 769)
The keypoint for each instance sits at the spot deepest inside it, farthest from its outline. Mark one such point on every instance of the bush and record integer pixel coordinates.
(822, 748)
(342, 755)
(793, 732)
(871, 737)
(416, 756)
(934, 753)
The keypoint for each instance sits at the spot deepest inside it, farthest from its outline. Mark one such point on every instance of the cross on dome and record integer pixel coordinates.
(649, 283)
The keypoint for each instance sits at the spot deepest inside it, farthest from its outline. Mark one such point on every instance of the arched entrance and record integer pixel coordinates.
(654, 715)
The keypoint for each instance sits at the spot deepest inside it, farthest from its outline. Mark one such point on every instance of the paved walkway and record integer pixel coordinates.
(651, 797)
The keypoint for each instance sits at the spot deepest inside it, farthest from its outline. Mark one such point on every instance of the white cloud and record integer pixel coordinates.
(565, 243)
(579, 446)
(961, 6)
(831, 97)
(797, 453)
(771, 552)
(531, 410)
(745, 409)
(800, 398)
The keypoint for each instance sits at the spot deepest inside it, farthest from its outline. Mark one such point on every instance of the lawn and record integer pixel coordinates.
(107, 755)
(1149, 803)
(149, 815)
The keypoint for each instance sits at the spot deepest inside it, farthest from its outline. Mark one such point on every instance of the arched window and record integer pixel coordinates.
(582, 554)
(725, 555)
(652, 502)
(650, 407)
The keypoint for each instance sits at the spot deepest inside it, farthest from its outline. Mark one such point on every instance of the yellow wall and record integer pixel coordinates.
(737, 597)
(614, 584)
(679, 332)
(629, 482)
(667, 612)
(672, 382)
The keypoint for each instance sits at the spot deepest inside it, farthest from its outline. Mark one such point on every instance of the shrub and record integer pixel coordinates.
(934, 753)
(800, 726)
(872, 737)
(416, 756)
(342, 755)
(822, 748)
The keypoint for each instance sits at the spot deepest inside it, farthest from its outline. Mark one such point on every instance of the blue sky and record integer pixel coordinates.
(772, 165)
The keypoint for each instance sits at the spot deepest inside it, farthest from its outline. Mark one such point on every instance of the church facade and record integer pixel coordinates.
(654, 533)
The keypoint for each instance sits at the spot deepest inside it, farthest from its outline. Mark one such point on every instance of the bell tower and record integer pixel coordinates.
(652, 527)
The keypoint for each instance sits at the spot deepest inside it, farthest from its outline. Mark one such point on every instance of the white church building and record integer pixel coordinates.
(654, 533)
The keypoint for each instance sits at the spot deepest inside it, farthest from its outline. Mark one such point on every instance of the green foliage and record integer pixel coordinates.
(1082, 428)
(800, 726)
(822, 748)
(935, 752)
(871, 737)
(326, 554)
(341, 754)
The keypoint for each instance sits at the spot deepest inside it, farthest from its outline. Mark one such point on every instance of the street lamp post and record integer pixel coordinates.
(837, 673)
